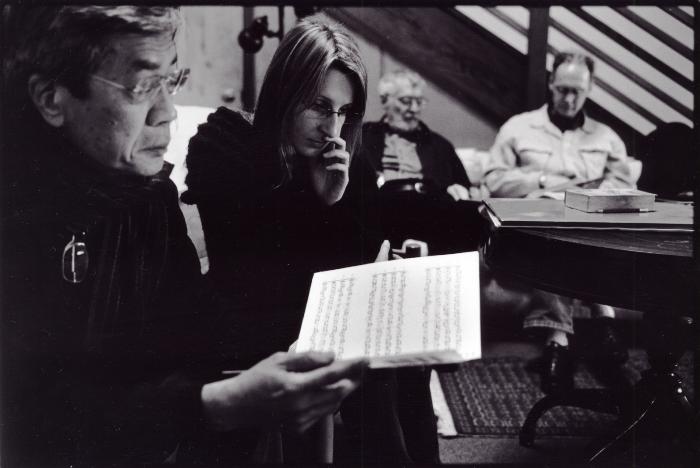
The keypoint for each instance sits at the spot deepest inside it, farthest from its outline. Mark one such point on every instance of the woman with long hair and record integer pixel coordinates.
(270, 188)
(281, 197)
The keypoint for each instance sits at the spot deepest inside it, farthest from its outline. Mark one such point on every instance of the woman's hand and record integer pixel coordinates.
(330, 172)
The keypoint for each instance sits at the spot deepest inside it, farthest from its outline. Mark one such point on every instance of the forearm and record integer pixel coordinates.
(513, 182)
(618, 175)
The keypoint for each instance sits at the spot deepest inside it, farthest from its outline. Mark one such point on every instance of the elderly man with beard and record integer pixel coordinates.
(423, 184)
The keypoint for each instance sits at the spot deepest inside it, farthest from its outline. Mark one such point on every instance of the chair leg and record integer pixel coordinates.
(527, 432)
(589, 398)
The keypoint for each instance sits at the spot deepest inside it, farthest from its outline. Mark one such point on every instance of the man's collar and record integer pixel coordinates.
(542, 120)
(419, 130)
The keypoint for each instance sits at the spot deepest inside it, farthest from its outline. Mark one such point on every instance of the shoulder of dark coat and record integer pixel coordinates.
(225, 157)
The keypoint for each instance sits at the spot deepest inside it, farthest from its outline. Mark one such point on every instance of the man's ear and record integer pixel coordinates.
(48, 97)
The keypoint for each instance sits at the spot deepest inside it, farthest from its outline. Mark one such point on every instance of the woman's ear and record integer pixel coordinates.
(48, 97)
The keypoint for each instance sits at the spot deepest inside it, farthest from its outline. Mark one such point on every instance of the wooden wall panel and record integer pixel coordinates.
(466, 62)
(209, 47)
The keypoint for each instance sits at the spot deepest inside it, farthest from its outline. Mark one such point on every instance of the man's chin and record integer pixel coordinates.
(147, 170)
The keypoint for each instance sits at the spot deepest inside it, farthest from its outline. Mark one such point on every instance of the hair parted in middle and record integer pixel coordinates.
(294, 78)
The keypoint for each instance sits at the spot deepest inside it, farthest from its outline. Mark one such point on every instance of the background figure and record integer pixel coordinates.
(669, 162)
(290, 169)
(112, 351)
(422, 180)
(552, 148)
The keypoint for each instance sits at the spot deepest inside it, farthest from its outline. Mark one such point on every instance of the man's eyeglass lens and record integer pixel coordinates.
(407, 100)
(148, 87)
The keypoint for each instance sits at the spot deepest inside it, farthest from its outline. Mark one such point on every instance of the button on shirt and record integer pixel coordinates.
(529, 145)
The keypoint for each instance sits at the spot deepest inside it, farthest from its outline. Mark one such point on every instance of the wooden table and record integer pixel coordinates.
(649, 271)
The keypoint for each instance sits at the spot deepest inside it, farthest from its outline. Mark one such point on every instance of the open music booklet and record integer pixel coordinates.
(415, 311)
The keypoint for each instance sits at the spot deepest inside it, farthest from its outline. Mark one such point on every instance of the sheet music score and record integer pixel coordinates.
(402, 312)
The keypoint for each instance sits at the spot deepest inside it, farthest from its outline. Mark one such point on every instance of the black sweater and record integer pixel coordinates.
(267, 235)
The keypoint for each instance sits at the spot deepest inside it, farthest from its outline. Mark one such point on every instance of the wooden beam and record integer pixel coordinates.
(451, 51)
(537, 57)
(658, 93)
(657, 32)
(634, 48)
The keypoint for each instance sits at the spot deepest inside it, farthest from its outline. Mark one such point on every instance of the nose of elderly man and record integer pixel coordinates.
(162, 110)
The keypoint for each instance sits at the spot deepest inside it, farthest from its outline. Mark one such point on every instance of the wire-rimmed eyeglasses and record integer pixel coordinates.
(147, 87)
(321, 111)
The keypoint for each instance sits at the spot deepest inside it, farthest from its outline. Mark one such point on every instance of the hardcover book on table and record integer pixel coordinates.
(609, 200)
(543, 213)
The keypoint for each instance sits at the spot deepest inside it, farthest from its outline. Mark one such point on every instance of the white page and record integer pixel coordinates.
(415, 307)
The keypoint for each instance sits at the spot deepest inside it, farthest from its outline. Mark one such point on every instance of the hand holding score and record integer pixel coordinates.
(291, 390)
(330, 172)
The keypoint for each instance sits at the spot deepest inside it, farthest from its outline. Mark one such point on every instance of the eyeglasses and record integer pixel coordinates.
(407, 100)
(321, 111)
(147, 87)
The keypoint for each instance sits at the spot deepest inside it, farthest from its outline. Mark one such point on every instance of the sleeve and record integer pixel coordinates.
(617, 172)
(361, 200)
(503, 177)
(243, 223)
(459, 173)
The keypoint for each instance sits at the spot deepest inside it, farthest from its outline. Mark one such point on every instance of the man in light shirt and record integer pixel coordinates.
(548, 150)
(558, 143)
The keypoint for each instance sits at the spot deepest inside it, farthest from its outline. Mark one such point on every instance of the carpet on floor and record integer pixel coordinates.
(492, 396)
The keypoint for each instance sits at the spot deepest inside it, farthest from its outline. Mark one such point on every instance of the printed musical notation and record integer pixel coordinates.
(403, 312)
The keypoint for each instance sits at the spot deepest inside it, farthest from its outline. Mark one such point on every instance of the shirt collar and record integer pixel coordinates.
(542, 121)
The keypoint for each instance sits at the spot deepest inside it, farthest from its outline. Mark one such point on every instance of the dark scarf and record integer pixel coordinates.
(565, 123)
(131, 227)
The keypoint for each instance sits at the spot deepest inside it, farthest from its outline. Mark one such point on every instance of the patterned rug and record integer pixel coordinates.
(492, 396)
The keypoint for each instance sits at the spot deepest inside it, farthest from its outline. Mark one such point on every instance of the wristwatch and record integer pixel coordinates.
(543, 180)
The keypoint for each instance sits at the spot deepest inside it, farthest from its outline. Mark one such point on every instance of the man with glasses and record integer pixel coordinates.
(558, 144)
(418, 171)
(548, 150)
(112, 351)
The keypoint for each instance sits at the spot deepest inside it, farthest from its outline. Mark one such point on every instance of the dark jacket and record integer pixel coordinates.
(266, 235)
(108, 369)
(440, 163)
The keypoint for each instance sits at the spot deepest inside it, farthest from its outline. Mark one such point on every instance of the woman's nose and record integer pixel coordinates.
(331, 125)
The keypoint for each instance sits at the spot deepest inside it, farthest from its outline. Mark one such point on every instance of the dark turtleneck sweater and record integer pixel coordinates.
(564, 123)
